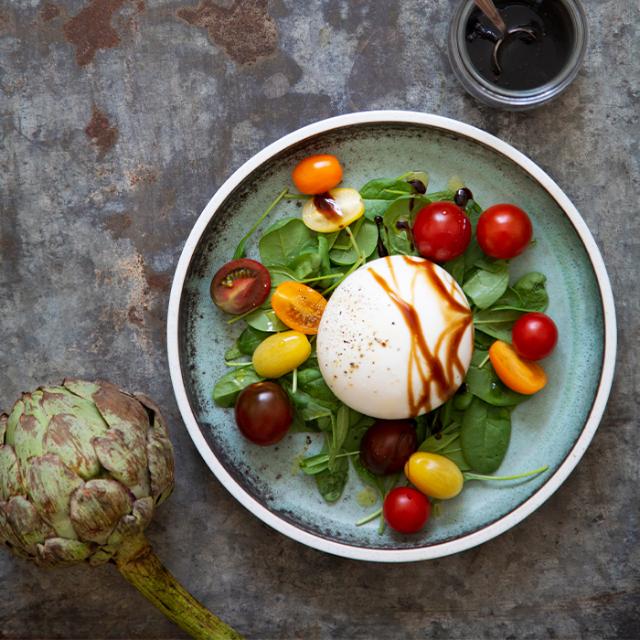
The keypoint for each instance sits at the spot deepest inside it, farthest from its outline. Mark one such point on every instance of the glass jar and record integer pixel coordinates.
(510, 99)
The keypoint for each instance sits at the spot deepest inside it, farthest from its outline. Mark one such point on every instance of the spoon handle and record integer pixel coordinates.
(489, 9)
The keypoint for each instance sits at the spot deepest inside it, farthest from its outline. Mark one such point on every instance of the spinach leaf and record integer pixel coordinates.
(249, 340)
(527, 294)
(310, 381)
(402, 210)
(456, 268)
(532, 292)
(385, 189)
(306, 264)
(366, 235)
(485, 435)
(373, 208)
(447, 443)
(498, 331)
(231, 384)
(340, 429)
(323, 252)
(265, 320)
(484, 287)
(284, 241)
(233, 352)
(482, 341)
(331, 482)
(485, 384)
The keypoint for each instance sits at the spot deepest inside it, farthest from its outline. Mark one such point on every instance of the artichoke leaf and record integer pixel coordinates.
(12, 422)
(10, 484)
(50, 484)
(4, 418)
(29, 528)
(30, 429)
(6, 532)
(96, 509)
(159, 451)
(161, 465)
(126, 462)
(119, 409)
(62, 551)
(69, 436)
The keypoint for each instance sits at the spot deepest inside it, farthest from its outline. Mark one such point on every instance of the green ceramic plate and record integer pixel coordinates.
(553, 428)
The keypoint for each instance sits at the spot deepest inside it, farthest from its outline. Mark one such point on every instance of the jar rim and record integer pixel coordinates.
(494, 94)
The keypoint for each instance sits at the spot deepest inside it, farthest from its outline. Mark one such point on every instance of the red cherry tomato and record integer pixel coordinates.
(240, 285)
(406, 509)
(504, 231)
(317, 174)
(387, 445)
(534, 336)
(441, 231)
(264, 413)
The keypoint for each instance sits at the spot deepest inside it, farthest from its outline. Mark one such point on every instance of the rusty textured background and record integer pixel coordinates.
(118, 120)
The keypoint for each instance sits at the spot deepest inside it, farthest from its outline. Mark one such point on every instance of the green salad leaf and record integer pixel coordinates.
(366, 236)
(485, 435)
(232, 383)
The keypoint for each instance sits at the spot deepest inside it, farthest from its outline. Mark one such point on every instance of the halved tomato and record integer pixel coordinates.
(298, 306)
(240, 285)
(518, 374)
(333, 210)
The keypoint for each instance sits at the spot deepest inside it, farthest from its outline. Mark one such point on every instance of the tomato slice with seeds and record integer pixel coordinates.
(240, 285)
(300, 307)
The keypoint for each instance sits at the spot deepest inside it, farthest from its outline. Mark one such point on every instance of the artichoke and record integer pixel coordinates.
(82, 468)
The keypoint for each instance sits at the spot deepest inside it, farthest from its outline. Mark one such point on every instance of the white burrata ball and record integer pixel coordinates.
(396, 338)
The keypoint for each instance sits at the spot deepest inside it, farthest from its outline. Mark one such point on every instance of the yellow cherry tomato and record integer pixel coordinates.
(434, 475)
(281, 353)
(518, 374)
(300, 307)
(333, 210)
(317, 174)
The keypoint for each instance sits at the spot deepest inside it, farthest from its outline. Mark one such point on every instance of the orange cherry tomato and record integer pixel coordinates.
(518, 374)
(317, 174)
(298, 306)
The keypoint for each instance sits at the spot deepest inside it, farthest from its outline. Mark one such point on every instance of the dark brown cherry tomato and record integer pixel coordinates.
(387, 445)
(534, 336)
(264, 413)
(504, 231)
(441, 231)
(406, 509)
(240, 285)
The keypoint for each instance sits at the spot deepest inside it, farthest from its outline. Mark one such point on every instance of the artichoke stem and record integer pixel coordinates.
(148, 575)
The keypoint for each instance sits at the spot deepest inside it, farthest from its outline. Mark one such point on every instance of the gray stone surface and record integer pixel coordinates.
(116, 126)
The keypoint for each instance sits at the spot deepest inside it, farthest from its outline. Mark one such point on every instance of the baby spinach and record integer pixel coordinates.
(249, 340)
(402, 210)
(306, 264)
(233, 352)
(391, 188)
(265, 320)
(284, 241)
(487, 283)
(483, 382)
(447, 443)
(331, 482)
(385, 189)
(339, 431)
(366, 236)
(485, 435)
(231, 384)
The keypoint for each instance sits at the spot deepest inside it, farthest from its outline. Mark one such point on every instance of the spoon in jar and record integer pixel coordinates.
(490, 10)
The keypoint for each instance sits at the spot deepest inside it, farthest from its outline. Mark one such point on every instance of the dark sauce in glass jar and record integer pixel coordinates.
(526, 64)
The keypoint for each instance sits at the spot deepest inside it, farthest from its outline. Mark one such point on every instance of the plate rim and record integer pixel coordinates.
(492, 529)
